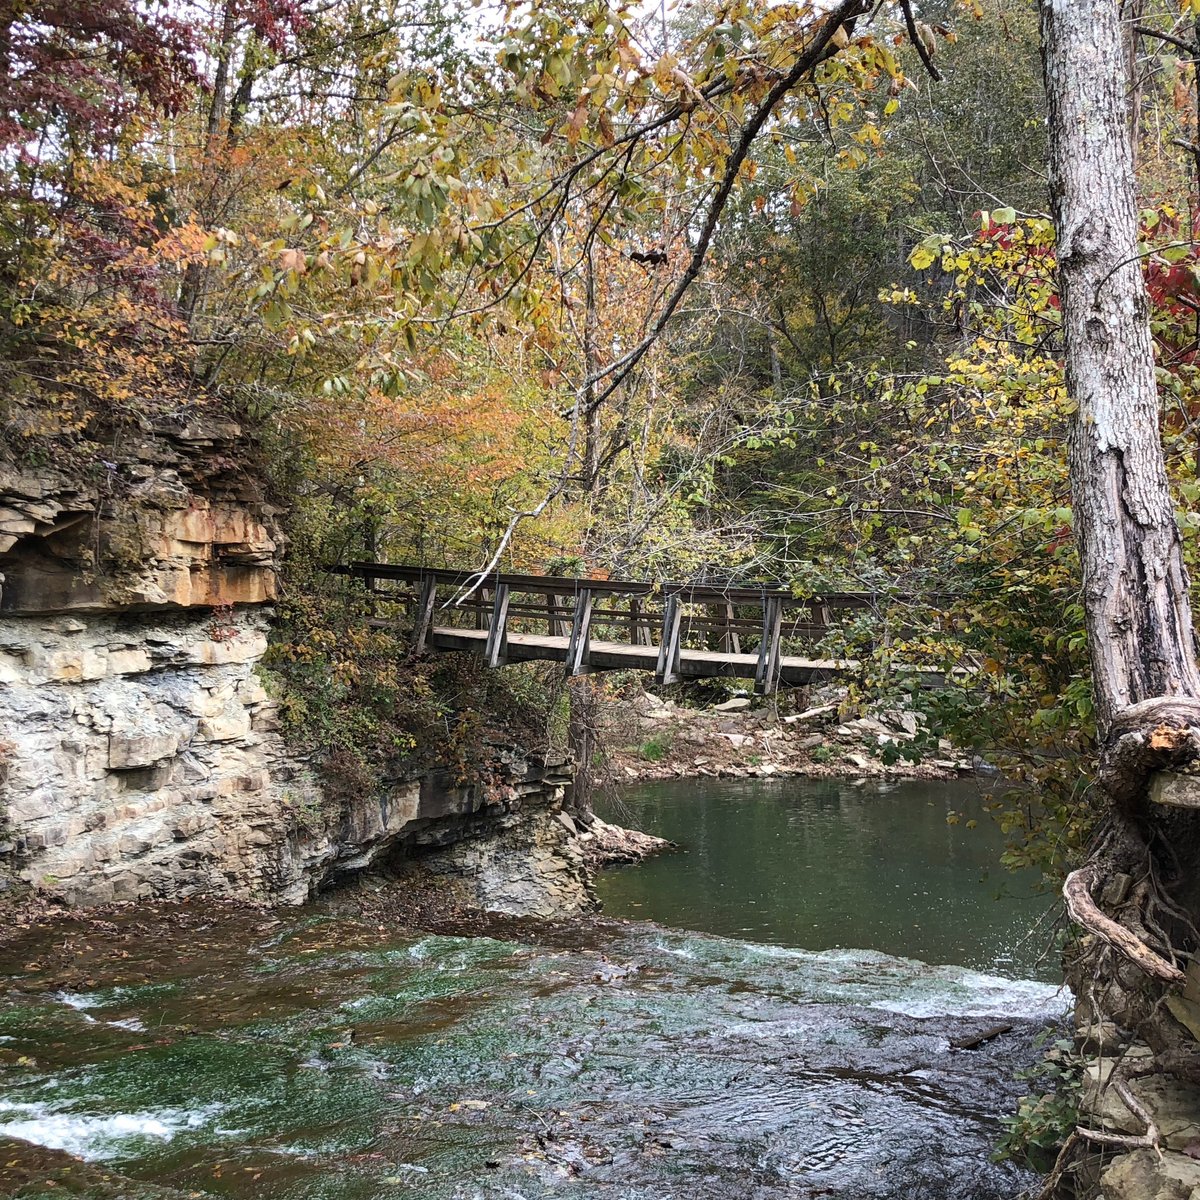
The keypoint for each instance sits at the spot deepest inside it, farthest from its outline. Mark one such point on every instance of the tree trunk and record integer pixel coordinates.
(1136, 897)
(583, 742)
(1139, 618)
(591, 363)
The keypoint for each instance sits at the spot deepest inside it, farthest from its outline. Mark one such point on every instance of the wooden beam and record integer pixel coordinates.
(555, 625)
(766, 674)
(497, 640)
(579, 647)
(423, 614)
(667, 670)
(641, 623)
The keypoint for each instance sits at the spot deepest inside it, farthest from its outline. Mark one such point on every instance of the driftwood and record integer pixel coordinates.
(1077, 890)
(974, 1041)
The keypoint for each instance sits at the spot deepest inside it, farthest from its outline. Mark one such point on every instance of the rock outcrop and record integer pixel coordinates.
(140, 753)
(171, 520)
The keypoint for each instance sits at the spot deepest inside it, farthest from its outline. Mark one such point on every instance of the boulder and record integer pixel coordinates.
(1147, 1175)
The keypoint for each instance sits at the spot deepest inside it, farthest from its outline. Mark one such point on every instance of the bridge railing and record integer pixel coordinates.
(742, 628)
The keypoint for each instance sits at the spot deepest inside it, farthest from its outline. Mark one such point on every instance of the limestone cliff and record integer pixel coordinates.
(167, 518)
(140, 754)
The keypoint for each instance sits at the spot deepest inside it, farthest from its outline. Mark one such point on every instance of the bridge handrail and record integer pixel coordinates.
(537, 584)
(550, 585)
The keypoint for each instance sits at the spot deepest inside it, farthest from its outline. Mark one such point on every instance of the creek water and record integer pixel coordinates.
(834, 864)
(314, 1055)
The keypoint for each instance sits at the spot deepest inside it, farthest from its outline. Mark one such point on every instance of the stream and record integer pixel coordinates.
(219, 1051)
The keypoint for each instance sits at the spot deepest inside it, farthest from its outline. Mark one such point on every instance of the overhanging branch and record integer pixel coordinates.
(823, 47)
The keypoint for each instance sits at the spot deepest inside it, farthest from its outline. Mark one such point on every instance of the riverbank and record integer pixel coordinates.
(649, 737)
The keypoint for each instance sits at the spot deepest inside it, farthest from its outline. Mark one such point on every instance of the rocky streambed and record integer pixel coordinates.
(220, 1051)
(654, 737)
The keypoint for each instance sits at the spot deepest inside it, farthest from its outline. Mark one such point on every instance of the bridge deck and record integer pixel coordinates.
(617, 656)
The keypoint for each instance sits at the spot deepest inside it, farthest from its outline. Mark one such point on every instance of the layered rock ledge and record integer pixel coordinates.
(141, 756)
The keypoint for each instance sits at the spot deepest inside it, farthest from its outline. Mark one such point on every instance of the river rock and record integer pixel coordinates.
(733, 704)
(1148, 1175)
(810, 714)
(1174, 1104)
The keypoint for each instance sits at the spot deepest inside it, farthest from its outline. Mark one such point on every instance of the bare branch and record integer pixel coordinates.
(1187, 47)
(822, 47)
(914, 36)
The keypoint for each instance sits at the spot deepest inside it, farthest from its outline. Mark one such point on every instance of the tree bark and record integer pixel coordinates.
(1135, 896)
(1139, 620)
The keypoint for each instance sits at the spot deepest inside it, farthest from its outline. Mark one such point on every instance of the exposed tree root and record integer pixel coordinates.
(1061, 1165)
(1151, 1139)
(1077, 890)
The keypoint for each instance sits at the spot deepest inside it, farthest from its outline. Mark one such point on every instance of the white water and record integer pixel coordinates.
(97, 1137)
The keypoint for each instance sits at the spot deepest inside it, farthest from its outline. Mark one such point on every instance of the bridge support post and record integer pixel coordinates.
(639, 626)
(554, 626)
(667, 670)
(496, 650)
(579, 647)
(423, 614)
(766, 673)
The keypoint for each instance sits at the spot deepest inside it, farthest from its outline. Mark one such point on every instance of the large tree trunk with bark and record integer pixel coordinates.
(1135, 585)
(1136, 898)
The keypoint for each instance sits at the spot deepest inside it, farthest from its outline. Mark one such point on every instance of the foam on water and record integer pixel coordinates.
(873, 979)
(956, 991)
(94, 1137)
(79, 1001)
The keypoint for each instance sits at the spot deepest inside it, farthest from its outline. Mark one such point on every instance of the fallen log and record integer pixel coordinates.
(974, 1041)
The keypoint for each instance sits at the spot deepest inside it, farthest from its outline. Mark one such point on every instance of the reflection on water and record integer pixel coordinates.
(824, 864)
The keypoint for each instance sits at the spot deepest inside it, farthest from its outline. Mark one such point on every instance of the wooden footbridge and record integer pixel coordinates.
(676, 631)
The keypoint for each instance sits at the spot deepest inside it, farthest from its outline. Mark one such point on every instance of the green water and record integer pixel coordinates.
(827, 864)
(208, 1051)
(218, 1054)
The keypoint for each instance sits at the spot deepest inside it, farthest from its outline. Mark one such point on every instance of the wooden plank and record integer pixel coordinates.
(666, 669)
(423, 615)
(693, 664)
(578, 648)
(495, 649)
